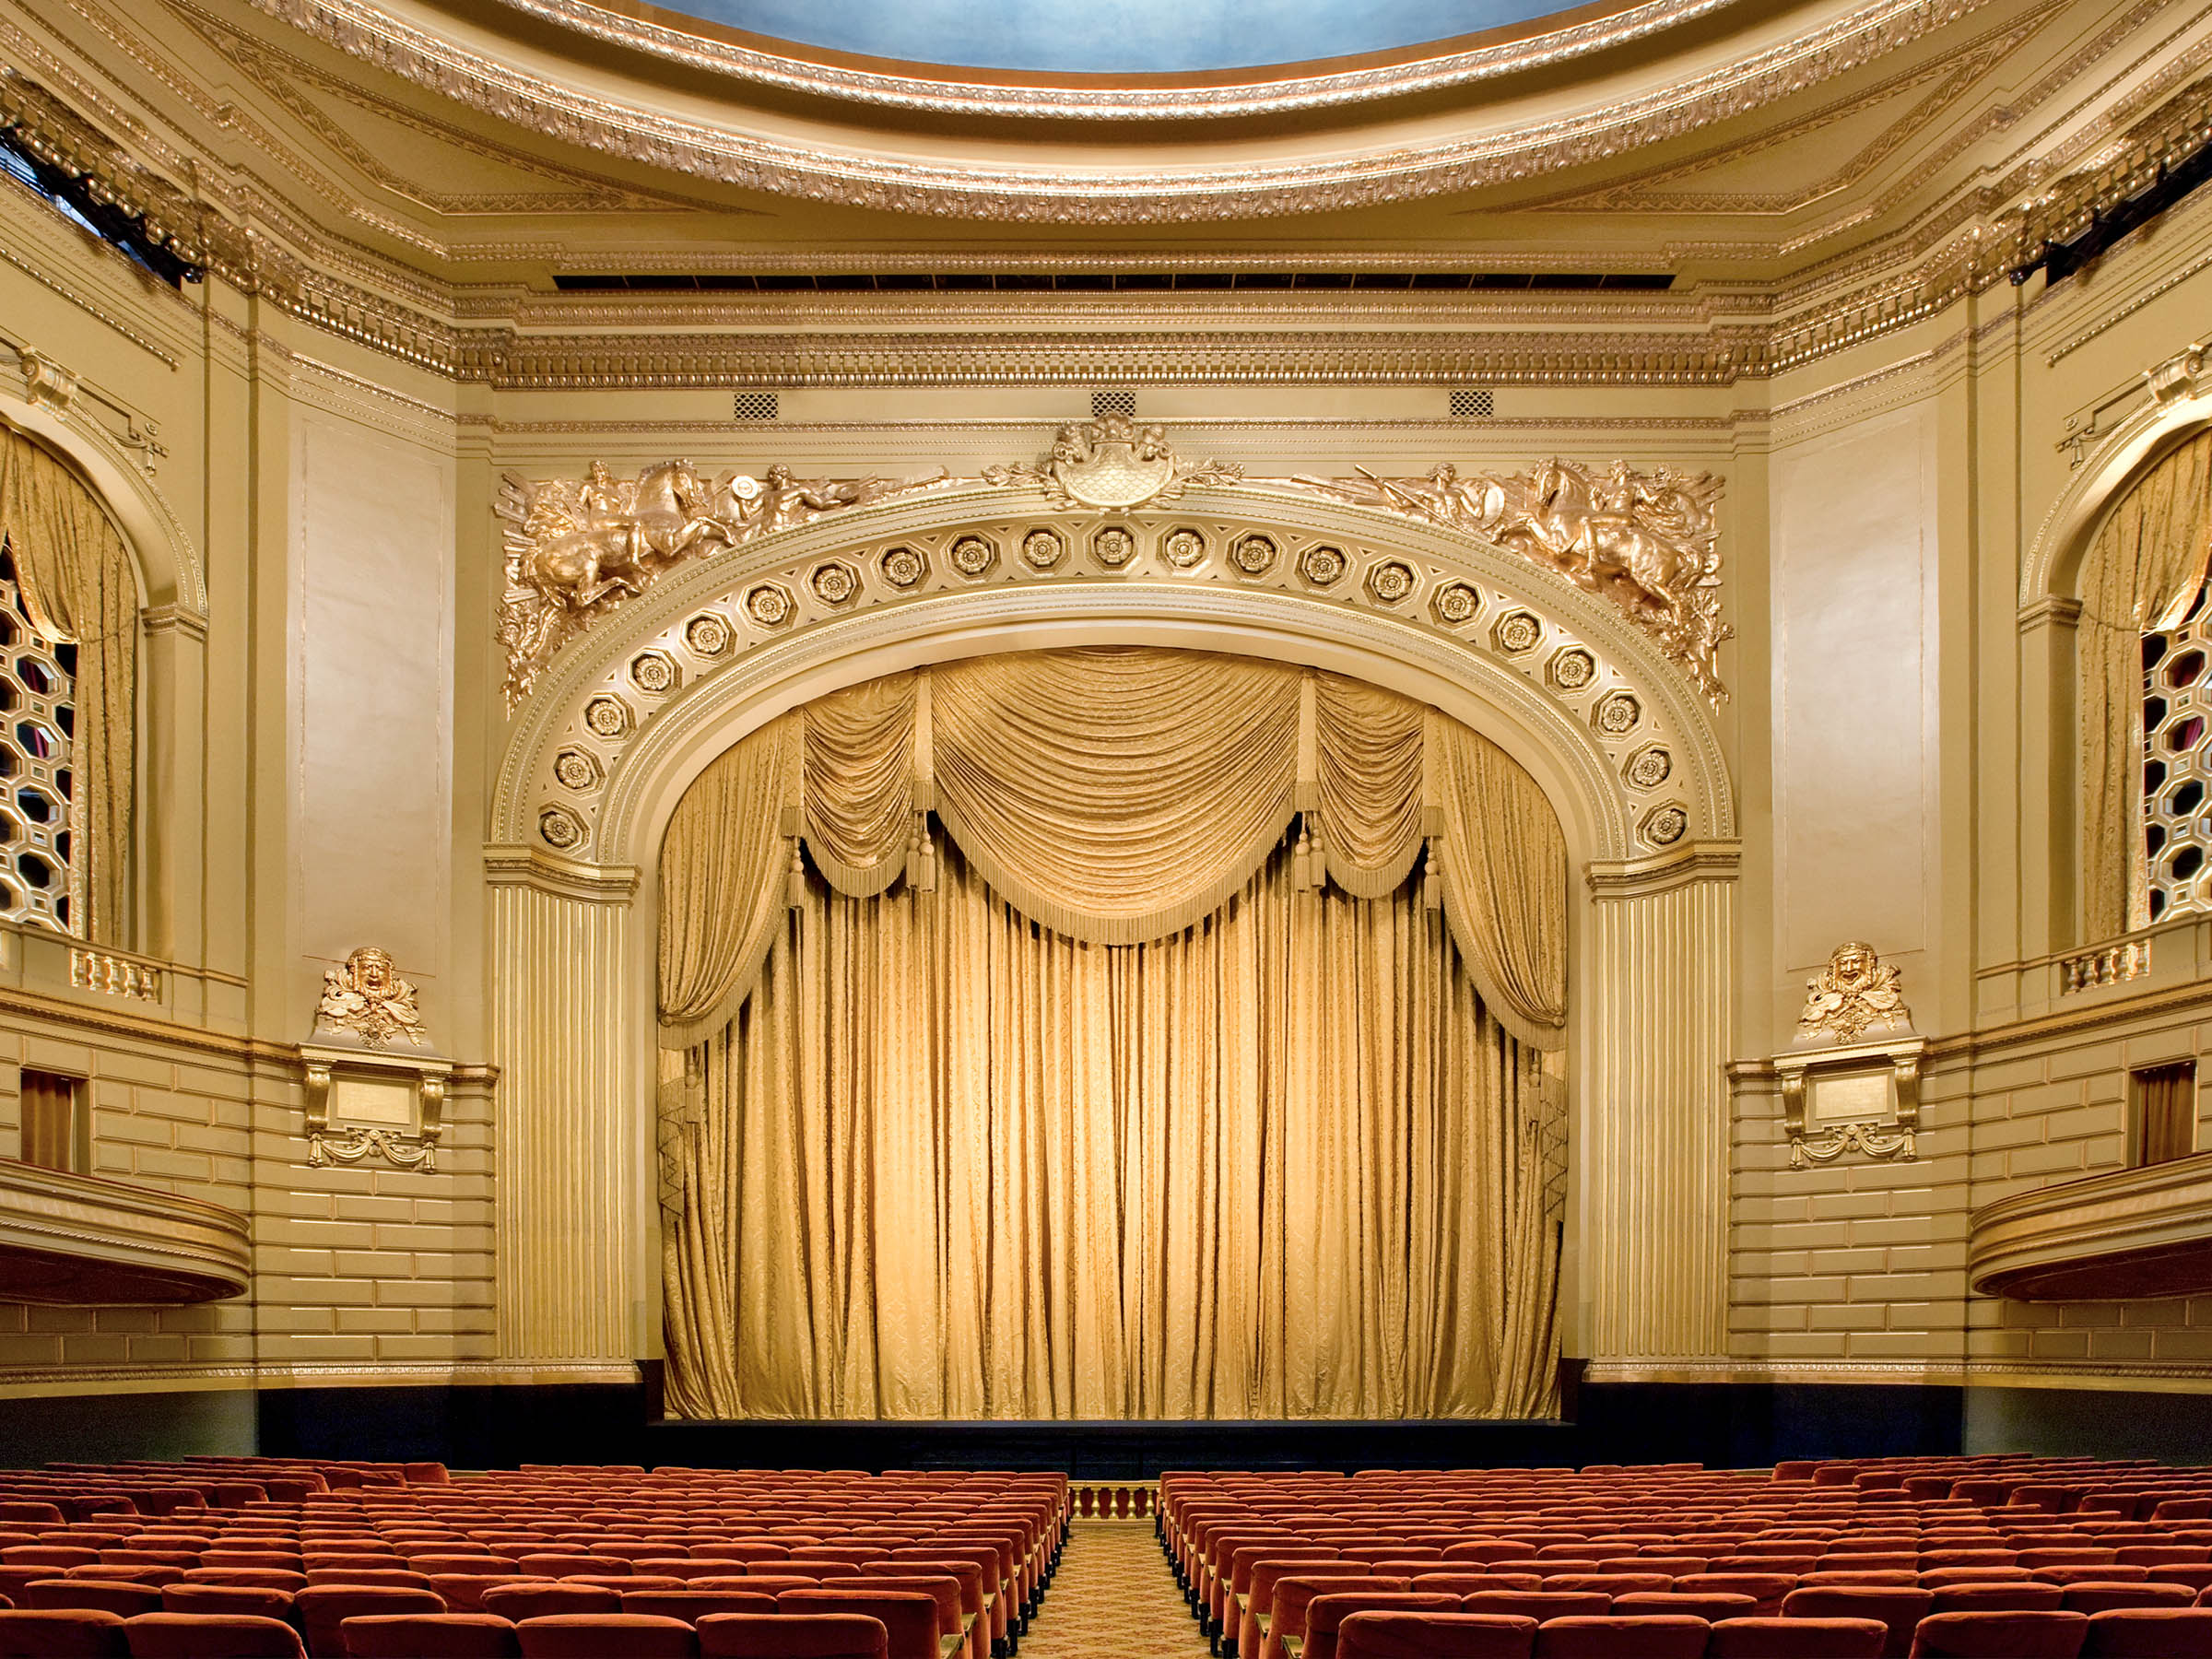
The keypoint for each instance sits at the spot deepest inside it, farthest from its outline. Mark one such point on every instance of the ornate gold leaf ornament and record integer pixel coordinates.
(1856, 993)
(366, 997)
(1851, 1081)
(1644, 541)
(362, 1099)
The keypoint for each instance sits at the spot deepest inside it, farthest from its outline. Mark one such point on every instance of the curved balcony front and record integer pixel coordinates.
(78, 1239)
(2133, 1234)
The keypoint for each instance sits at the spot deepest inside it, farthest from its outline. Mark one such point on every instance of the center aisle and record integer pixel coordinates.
(1113, 1598)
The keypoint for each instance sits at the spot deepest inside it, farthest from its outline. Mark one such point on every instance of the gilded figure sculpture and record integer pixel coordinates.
(366, 997)
(576, 549)
(1856, 993)
(1644, 541)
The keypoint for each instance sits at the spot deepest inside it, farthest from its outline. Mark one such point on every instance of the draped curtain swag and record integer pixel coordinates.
(2142, 573)
(74, 573)
(1120, 1106)
(1117, 796)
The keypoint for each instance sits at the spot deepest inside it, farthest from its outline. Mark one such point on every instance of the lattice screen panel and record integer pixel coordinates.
(38, 719)
(2177, 766)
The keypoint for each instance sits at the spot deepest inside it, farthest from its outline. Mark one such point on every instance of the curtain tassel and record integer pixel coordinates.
(1302, 875)
(921, 862)
(1432, 880)
(794, 883)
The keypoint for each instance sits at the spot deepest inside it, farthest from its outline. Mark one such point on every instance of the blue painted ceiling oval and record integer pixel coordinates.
(1109, 36)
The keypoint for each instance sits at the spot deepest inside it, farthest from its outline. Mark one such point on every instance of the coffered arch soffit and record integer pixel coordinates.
(1619, 736)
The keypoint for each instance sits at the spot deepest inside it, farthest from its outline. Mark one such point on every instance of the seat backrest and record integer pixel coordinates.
(2150, 1633)
(1765, 1589)
(910, 1620)
(210, 1636)
(1541, 1604)
(1797, 1639)
(322, 1608)
(1413, 1635)
(1634, 1636)
(1710, 1606)
(2097, 1596)
(945, 1592)
(601, 1635)
(2022, 1596)
(431, 1636)
(227, 1598)
(62, 1633)
(546, 1598)
(792, 1636)
(2053, 1634)
(691, 1605)
(122, 1599)
(1325, 1613)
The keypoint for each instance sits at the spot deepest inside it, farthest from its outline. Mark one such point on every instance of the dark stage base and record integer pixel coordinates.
(1721, 1424)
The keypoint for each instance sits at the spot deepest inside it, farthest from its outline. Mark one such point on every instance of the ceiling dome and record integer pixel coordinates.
(1114, 37)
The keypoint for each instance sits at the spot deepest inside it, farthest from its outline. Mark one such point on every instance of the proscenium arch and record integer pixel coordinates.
(1548, 732)
(1647, 922)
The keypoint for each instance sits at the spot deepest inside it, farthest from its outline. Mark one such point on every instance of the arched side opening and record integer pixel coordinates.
(1650, 924)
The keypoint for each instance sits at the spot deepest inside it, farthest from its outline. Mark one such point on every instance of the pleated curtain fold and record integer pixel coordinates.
(2143, 571)
(73, 570)
(1118, 1104)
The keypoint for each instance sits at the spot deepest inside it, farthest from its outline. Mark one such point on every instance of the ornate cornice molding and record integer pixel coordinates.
(998, 93)
(1137, 196)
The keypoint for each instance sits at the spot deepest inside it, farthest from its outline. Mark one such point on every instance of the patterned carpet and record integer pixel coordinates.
(1113, 1598)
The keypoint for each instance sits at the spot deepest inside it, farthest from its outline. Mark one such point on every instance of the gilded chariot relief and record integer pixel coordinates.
(1644, 541)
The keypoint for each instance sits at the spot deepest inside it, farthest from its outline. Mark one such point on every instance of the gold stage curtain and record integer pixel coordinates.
(2142, 573)
(947, 1163)
(1119, 796)
(73, 572)
(1115, 795)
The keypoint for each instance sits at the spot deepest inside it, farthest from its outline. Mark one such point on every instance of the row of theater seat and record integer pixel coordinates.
(935, 1566)
(2064, 1555)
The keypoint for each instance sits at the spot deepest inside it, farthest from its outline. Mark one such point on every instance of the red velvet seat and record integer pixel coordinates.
(322, 1608)
(602, 1635)
(1797, 1639)
(1708, 1607)
(546, 1598)
(1325, 1613)
(2022, 1596)
(691, 1605)
(1414, 1635)
(790, 1636)
(2150, 1633)
(1294, 1597)
(2055, 1634)
(910, 1620)
(62, 1633)
(404, 1578)
(210, 1636)
(1541, 1604)
(125, 1600)
(463, 1592)
(2096, 1596)
(431, 1636)
(266, 1578)
(1765, 1589)
(1899, 1606)
(227, 1598)
(1600, 1636)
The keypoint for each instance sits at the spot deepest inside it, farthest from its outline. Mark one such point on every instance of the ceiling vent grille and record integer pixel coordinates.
(1473, 402)
(1121, 401)
(753, 406)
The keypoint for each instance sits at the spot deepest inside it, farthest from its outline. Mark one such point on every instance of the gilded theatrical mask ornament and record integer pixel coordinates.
(1856, 993)
(1851, 1079)
(366, 997)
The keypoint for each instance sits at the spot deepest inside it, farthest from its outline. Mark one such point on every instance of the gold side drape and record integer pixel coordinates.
(73, 570)
(951, 1164)
(1116, 796)
(1505, 882)
(2142, 573)
(723, 859)
(1120, 795)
